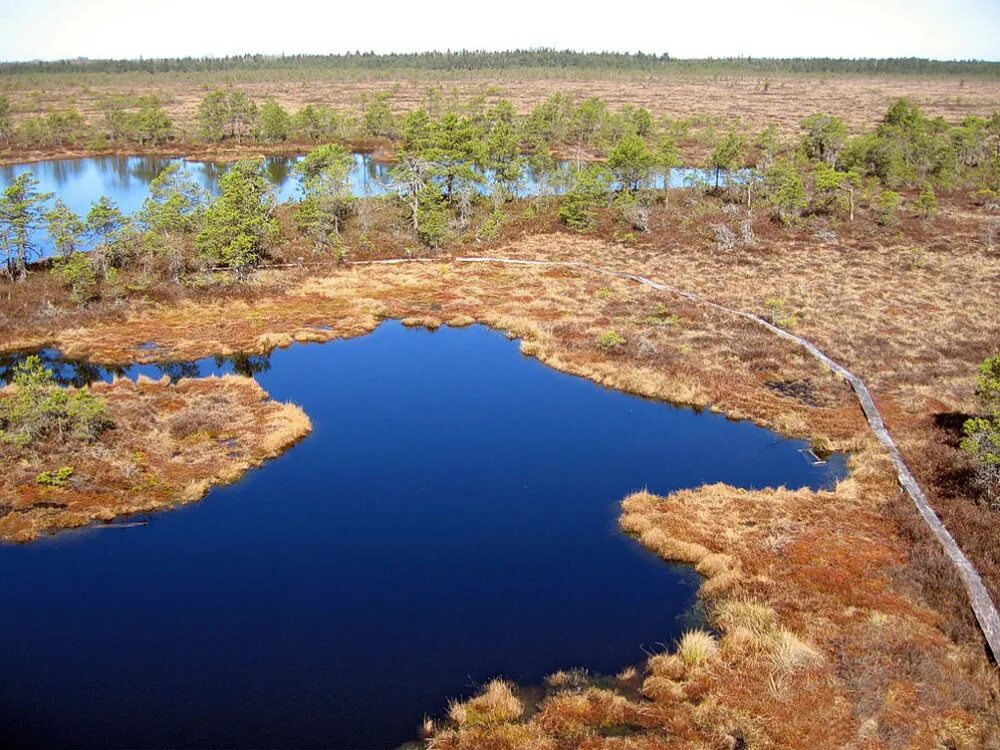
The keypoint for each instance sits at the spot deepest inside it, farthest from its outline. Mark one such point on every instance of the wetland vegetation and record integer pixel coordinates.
(830, 617)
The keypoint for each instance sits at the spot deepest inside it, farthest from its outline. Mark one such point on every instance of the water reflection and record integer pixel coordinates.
(125, 179)
(78, 372)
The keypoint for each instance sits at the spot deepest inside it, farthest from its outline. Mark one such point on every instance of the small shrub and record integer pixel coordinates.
(610, 340)
(77, 272)
(432, 217)
(991, 235)
(988, 199)
(579, 207)
(915, 258)
(725, 238)
(887, 207)
(40, 408)
(663, 317)
(982, 434)
(634, 210)
(747, 236)
(55, 479)
(786, 191)
(926, 204)
(190, 422)
(779, 315)
(490, 230)
(826, 235)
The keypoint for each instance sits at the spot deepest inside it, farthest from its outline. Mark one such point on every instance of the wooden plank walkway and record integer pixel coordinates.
(979, 597)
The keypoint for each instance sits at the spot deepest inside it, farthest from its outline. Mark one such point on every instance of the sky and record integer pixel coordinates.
(942, 29)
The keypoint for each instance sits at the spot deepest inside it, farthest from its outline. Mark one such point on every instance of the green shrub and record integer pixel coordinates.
(926, 204)
(589, 189)
(239, 226)
(663, 317)
(887, 207)
(786, 191)
(982, 433)
(779, 314)
(56, 479)
(610, 340)
(77, 272)
(40, 408)
(490, 230)
(432, 216)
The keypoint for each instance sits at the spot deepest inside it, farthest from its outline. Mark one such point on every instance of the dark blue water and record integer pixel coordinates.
(451, 518)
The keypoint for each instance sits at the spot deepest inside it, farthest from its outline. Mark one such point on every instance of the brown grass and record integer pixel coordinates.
(715, 101)
(169, 446)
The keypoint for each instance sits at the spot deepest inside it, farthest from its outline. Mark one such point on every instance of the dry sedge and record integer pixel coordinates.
(697, 647)
(495, 704)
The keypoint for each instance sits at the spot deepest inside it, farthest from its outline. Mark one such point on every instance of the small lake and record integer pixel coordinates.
(452, 517)
(125, 180)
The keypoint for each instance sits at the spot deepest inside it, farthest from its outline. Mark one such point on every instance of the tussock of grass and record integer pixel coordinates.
(721, 582)
(495, 704)
(493, 737)
(627, 675)
(697, 647)
(673, 549)
(662, 689)
(666, 665)
(751, 615)
(568, 679)
(566, 713)
(790, 653)
(530, 348)
(424, 321)
(713, 564)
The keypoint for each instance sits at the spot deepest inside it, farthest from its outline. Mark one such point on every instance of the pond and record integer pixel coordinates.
(451, 518)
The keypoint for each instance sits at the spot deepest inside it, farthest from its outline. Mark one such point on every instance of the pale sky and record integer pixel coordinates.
(944, 29)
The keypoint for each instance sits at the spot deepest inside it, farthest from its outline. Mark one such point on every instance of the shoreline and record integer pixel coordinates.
(193, 452)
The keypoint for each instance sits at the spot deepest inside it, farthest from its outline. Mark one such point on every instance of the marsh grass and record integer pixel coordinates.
(495, 704)
(696, 647)
(170, 445)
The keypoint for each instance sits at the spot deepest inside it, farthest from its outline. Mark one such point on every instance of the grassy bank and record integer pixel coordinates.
(162, 445)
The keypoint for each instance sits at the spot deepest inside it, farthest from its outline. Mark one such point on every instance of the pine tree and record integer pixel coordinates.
(21, 214)
(239, 225)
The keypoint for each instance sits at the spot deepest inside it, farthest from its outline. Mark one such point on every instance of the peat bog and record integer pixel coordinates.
(451, 518)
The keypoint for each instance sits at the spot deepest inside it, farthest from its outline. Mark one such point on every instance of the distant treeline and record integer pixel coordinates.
(471, 60)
